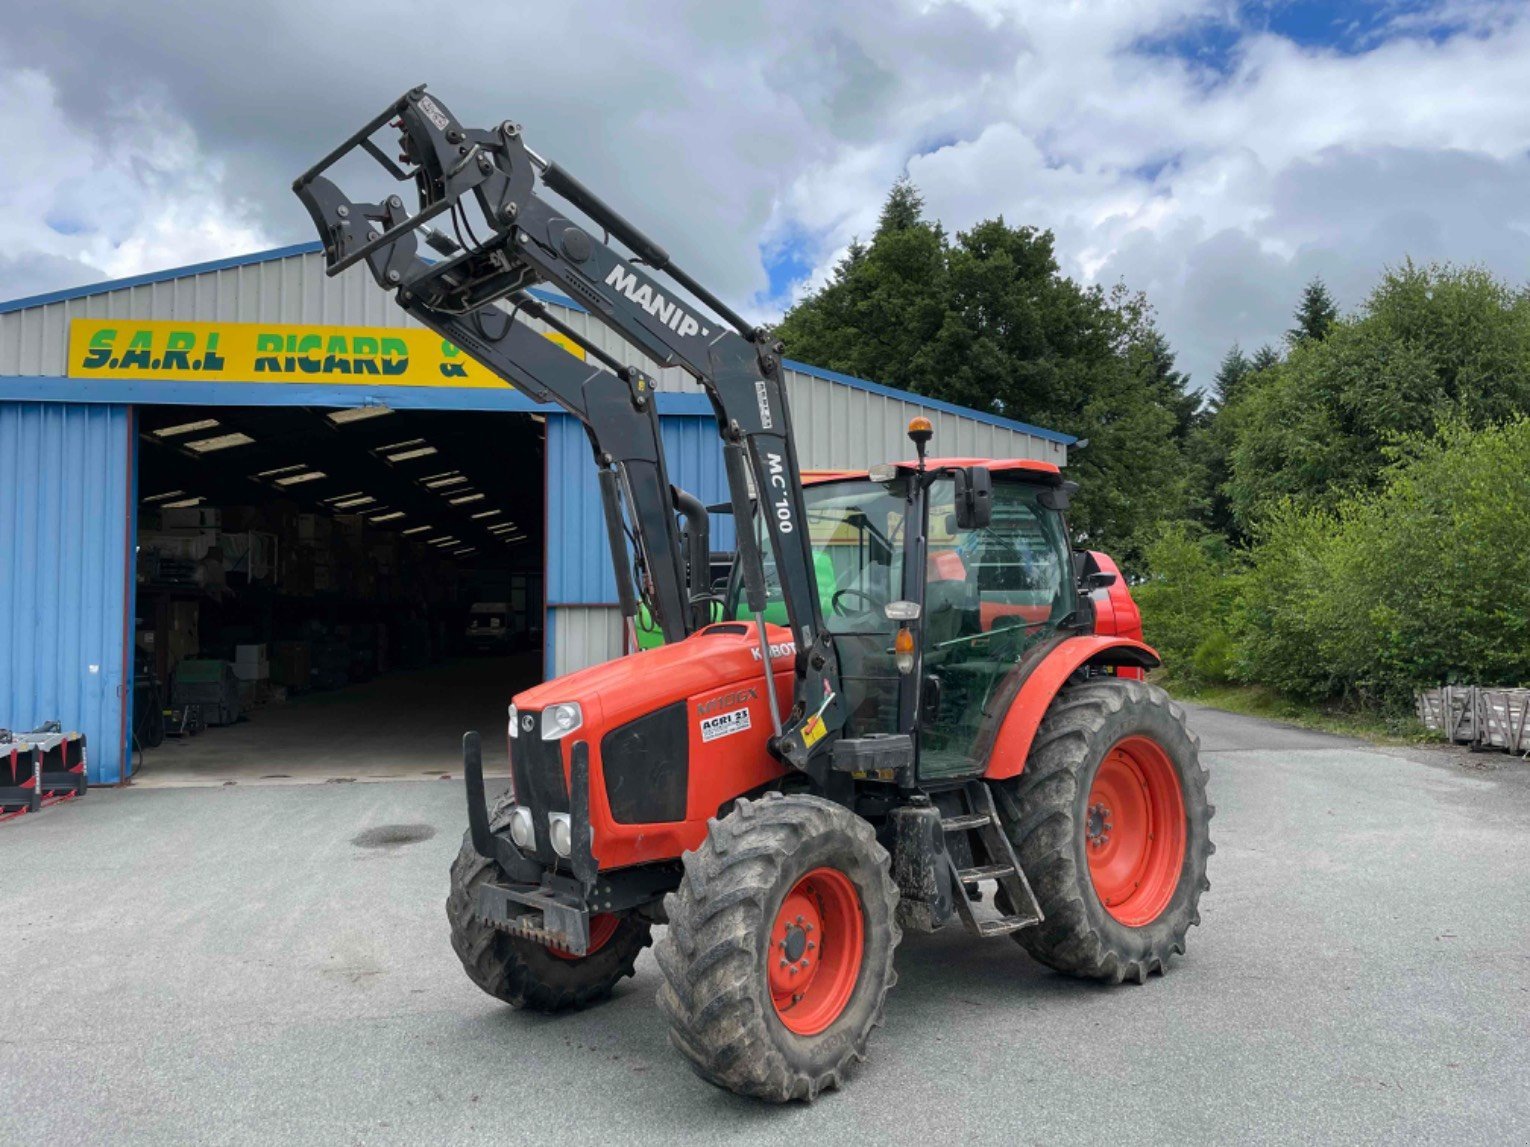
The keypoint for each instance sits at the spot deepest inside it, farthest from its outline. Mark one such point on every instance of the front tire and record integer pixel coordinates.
(521, 972)
(779, 954)
(1111, 824)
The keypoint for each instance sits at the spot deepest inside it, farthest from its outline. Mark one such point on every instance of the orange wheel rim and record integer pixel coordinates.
(602, 928)
(1134, 831)
(815, 950)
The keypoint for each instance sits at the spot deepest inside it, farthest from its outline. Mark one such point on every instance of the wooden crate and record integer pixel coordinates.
(1451, 711)
(1503, 719)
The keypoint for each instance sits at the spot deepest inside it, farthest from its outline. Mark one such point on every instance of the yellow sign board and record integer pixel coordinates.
(159, 350)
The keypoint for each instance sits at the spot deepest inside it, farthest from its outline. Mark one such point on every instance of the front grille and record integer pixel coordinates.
(540, 783)
(647, 767)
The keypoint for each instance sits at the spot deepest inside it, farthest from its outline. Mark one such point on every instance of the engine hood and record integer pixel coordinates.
(618, 691)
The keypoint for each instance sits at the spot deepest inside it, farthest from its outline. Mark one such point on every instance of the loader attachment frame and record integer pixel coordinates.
(648, 300)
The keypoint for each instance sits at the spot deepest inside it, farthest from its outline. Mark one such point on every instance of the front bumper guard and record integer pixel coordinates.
(534, 901)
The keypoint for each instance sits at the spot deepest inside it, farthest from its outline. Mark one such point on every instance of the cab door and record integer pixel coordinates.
(991, 594)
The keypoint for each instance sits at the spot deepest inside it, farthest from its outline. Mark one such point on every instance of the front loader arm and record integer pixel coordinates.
(535, 240)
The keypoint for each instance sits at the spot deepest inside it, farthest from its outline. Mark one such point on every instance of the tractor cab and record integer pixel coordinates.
(990, 587)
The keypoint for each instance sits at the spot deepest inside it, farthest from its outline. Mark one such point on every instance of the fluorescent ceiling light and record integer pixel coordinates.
(487, 514)
(465, 498)
(417, 452)
(349, 503)
(446, 541)
(357, 414)
(149, 501)
(465, 550)
(306, 476)
(221, 442)
(501, 527)
(404, 445)
(186, 428)
(388, 517)
(184, 503)
(333, 498)
(439, 482)
(417, 530)
(282, 470)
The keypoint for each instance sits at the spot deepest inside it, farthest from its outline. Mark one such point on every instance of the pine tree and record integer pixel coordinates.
(1235, 367)
(904, 208)
(1264, 358)
(1314, 315)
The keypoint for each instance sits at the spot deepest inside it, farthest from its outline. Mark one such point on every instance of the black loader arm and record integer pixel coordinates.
(615, 406)
(644, 297)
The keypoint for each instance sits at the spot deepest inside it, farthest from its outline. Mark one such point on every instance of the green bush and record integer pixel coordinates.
(1186, 603)
(1425, 580)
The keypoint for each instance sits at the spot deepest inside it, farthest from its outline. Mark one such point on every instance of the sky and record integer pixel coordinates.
(1214, 154)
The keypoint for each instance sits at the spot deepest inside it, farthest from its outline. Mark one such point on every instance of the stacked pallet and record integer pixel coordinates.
(1480, 717)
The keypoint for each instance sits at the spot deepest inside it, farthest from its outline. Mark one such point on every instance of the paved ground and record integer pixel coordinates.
(402, 724)
(225, 965)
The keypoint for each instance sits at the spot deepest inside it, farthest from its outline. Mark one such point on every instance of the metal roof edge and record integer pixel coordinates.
(150, 277)
(152, 392)
(933, 403)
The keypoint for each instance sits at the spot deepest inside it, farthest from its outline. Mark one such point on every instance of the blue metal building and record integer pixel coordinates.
(69, 463)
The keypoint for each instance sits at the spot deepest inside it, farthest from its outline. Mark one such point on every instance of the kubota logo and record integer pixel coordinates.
(667, 312)
(777, 649)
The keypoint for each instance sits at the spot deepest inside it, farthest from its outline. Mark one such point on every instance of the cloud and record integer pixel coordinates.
(137, 191)
(1213, 153)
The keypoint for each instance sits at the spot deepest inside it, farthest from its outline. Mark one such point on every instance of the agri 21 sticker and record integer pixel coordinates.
(724, 724)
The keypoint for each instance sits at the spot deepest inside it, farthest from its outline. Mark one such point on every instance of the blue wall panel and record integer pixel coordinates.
(578, 560)
(65, 501)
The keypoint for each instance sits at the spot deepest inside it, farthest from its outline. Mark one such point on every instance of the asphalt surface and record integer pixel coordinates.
(225, 965)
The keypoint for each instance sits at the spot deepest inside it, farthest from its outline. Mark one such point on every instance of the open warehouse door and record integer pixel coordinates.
(331, 594)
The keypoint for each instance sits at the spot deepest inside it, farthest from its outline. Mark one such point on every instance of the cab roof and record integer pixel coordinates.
(818, 477)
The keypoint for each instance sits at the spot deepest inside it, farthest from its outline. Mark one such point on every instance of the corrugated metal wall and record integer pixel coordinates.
(580, 635)
(65, 498)
(579, 561)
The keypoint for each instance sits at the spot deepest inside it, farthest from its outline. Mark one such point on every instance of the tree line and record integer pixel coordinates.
(1343, 516)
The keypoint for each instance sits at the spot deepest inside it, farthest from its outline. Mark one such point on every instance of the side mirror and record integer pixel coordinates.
(974, 498)
(1059, 497)
(1098, 580)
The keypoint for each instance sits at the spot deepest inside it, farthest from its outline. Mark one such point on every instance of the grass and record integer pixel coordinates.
(1258, 701)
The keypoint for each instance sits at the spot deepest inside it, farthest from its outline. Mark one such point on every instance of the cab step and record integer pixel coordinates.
(965, 822)
(989, 842)
(984, 872)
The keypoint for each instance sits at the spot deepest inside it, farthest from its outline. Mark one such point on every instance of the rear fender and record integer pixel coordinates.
(1013, 743)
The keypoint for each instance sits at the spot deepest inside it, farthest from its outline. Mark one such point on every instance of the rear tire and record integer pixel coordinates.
(520, 971)
(773, 876)
(1111, 824)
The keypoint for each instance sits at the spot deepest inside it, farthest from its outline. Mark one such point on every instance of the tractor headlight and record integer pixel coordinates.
(561, 829)
(514, 719)
(521, 830)
(558, 721)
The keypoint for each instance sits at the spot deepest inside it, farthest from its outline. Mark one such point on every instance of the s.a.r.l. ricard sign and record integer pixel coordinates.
(277, 353)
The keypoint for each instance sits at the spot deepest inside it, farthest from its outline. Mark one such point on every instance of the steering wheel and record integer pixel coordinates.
(837, 603)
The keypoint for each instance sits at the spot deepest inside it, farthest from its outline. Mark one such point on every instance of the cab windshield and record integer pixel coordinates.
(856, 529)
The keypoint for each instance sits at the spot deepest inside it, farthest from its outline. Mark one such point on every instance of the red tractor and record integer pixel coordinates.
(919, 692)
